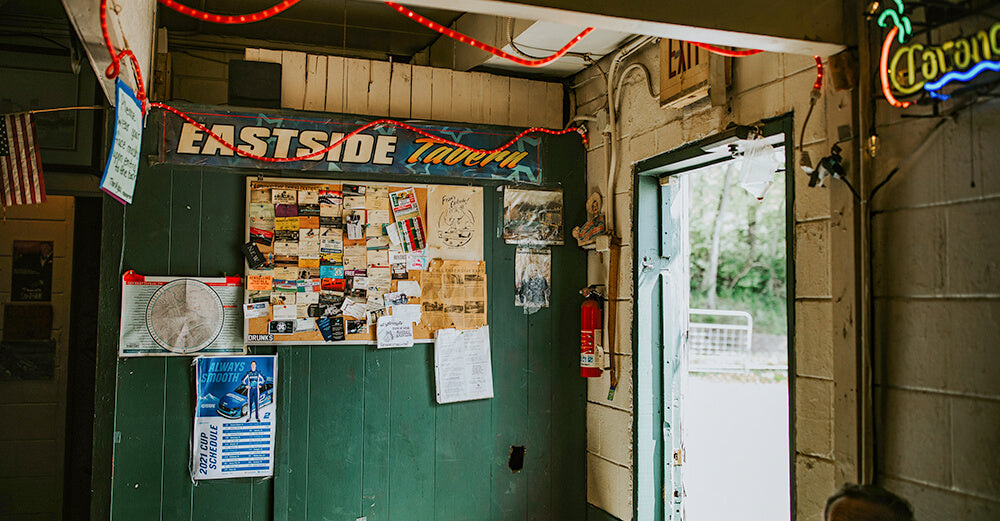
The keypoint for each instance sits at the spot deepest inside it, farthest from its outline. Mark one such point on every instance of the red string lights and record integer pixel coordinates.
(818, 84)
(229, 19)
(115, 66)
(114, 69)
(430, 24)
(726, 52)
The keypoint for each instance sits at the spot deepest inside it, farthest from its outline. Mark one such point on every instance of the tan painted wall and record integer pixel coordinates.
(33, 412)
(763, 86)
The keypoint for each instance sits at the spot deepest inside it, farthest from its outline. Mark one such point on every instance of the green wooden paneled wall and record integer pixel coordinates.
(359, 433)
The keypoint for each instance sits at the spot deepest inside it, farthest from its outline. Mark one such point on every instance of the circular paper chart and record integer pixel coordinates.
(184, 316)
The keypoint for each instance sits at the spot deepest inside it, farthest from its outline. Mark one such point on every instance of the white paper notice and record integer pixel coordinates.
(393, 332)
(256, 310)
(285, 312)
(462, 367)
(410, 287)
(123, 161)
(406, 312)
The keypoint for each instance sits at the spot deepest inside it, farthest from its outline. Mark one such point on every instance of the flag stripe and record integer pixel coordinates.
(21, 168)
(27, 159)
(39, 182)
(15, 157)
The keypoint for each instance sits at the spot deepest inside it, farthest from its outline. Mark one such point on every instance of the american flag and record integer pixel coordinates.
(20, 161)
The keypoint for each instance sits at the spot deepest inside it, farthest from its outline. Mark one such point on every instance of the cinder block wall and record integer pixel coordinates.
(937, 313)
(764, 85)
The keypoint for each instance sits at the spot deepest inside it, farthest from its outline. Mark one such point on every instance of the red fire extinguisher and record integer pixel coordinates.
(591, 333)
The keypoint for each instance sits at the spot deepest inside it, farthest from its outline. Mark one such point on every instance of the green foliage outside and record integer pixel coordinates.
(751, 270)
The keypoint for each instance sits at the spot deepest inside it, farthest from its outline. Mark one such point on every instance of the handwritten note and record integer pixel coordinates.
(123, 160)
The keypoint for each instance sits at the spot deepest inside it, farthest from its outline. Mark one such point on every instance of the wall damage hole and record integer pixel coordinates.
(516, 461)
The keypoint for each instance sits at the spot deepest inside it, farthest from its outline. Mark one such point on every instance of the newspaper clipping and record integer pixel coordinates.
(454, 294)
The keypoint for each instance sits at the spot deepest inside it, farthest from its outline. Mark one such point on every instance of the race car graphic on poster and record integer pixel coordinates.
(235, 418)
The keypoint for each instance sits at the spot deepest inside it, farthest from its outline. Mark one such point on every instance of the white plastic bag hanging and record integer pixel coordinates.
(758, 166)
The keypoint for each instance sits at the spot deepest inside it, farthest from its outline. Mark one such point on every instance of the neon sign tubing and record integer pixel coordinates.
(884, 71)
(963, 76)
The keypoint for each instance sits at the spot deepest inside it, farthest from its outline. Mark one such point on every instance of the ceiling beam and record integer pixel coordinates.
(790, 26)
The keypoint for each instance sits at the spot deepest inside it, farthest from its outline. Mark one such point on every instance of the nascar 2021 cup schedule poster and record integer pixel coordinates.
(235, 417)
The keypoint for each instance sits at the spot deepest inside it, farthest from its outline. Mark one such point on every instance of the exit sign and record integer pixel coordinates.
(689, 73)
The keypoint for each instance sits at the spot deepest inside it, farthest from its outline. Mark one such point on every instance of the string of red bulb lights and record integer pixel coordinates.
(727, 52)
(114, 69)
(468, 40)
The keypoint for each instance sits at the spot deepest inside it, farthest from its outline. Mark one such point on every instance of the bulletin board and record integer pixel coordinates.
(453, 292)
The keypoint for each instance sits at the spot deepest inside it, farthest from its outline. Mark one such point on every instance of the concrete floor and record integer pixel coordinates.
(736, 441)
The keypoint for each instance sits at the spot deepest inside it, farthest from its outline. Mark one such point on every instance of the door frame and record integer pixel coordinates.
(647, 231)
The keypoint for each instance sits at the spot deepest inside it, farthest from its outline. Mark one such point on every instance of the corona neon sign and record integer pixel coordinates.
(930, 67)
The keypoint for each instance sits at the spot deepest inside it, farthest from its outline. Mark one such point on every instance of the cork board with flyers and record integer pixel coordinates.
(337, 255)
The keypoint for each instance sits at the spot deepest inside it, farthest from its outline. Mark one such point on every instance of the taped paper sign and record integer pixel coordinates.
(393, 332)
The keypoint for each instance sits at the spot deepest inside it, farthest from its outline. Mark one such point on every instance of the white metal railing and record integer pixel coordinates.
(722, 347)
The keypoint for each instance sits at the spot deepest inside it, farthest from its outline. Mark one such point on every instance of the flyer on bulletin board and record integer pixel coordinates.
(235, 419)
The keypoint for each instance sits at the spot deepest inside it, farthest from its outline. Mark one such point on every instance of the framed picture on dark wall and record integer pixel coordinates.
(31, 276)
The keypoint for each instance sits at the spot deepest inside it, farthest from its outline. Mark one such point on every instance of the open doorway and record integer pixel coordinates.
(712, 317)
(735, 397)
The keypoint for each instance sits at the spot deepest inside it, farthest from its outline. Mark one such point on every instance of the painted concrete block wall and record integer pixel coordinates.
(764, 86)
(32, 431)
(937, 313)
(376, 88)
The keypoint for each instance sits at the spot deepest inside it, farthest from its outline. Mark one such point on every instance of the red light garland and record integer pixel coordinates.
(229, 19)
(114, 69)
(819, 73)
(430, 24)
(727, 52)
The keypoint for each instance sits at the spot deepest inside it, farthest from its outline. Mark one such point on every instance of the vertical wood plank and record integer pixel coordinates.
(378, 88)
(334, 84)
(510, 382)
(178, 425)
(569, 391)
(480, 99)
(498, 100)
(292, 443)
(185, 222)
(136, 484)
(519, 108)
(400, 84)
(293, 79)
(334, 445)
(221, 235)
(552, 109)
(466, 92)
(376, 435)
(441, 80)
(411, 450)
(357, 76)
(420, 99)
(316, 69)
